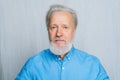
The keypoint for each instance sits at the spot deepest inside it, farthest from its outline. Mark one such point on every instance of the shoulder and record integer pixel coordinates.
(92, 63)
(32, 63)
(37, 58)
(86, 57)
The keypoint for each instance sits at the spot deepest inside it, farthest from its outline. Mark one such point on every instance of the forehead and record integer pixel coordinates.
(65, 13)
(61, 16)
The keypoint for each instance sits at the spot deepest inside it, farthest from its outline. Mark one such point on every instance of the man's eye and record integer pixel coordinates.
(53, 27)
(65, 27)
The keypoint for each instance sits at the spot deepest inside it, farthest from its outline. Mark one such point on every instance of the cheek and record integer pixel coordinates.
(51, 35)
(66, 37)
(70, 36)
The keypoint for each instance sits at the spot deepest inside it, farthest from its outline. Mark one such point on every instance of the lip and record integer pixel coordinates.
(59, 41)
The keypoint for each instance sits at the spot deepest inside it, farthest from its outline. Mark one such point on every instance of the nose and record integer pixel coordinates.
(58, 33)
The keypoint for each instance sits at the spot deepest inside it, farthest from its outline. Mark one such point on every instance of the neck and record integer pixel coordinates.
(62, 56)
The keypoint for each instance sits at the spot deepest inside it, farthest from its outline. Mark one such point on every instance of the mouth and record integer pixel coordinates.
(59, 41)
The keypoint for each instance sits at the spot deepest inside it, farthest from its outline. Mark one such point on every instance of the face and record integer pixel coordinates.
(61, 28)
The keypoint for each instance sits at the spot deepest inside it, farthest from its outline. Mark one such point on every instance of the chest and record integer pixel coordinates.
(66, 70)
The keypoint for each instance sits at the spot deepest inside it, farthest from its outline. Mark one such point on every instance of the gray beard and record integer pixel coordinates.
(60, 50)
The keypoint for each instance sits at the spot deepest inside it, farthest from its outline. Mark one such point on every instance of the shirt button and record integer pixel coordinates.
(63, 68)
(69, 58)
(59, 58)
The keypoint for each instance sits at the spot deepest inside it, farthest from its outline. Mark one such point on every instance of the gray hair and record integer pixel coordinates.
(55, 8)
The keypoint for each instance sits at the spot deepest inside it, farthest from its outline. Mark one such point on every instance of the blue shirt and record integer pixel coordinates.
(76, 65)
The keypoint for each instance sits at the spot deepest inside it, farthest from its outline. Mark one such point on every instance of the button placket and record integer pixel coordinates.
(63, 68)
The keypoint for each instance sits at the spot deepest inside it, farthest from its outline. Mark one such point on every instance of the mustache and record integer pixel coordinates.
(57, 38)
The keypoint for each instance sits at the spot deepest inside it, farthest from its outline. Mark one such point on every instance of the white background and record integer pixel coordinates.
(23, 32)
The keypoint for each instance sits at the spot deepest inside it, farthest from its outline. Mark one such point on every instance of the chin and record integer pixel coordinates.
(60, 49)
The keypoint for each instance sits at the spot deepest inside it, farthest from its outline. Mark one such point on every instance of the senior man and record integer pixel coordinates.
(62, 61)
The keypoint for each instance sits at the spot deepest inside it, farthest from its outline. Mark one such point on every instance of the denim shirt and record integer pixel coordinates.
(76, 65)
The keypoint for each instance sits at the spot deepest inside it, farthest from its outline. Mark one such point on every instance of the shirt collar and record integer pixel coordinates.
(67, 57)
(69, 54)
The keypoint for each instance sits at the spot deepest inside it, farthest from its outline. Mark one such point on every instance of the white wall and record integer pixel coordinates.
(23, 32)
